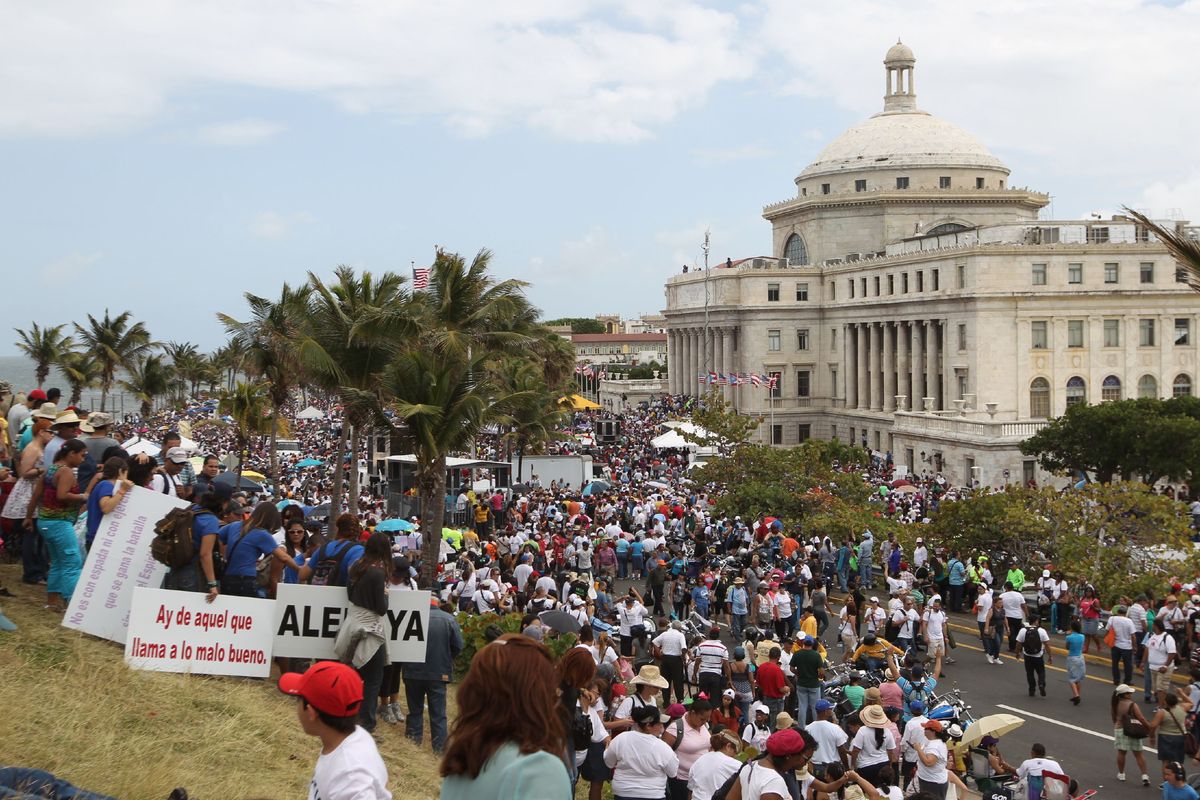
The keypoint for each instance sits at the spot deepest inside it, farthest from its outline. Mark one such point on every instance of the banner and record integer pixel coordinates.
(307, 619)
(172, 631)
(118, 563)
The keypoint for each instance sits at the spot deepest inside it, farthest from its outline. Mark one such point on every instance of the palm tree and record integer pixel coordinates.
(44, 346)
(183, 357)
(1184, 249)
(535, 421)
(346, 357)
(115, 342)
(249, 406)
(150, 377)
(81, 371)
(276, 346)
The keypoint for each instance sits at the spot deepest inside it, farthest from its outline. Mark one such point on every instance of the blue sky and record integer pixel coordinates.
(166, 157)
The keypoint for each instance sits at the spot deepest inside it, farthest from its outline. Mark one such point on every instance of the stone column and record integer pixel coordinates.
(947, 390)
(903, 364)
(672, 362)
(719, 357)
(875, 346)
(862, 382)
(931, 362)
(889, 367)
(728, 360)
(687, 375)
(849, 368)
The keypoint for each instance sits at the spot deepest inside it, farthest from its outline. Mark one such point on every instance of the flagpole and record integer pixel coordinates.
(705, 355)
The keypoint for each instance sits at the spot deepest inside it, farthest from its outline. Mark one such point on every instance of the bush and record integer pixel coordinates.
(474, 631)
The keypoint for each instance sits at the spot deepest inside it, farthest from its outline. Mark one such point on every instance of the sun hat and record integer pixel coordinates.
(47, 411)
(783, 721)
(933, 725)
(739, 581)
(955, 732)
(873, 717)
(97, 419)
(67, 417)
(1124, 688)
(331, 687)
(650, 675)
(785, 743)
(872, 695)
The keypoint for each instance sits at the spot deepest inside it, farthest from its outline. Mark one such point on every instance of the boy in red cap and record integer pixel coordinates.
(349, 767)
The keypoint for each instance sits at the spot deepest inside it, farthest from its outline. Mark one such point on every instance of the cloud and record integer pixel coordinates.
(69, 270)
(724, 155)
(273, 225)
(1161, 200)
(593, 70)
(239, 133)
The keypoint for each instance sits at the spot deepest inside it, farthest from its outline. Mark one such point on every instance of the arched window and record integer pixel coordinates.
(1182, 386)
(1110, 390)
(1147, 386)
(945, 227)
(1076, 391)
(795, 250)
(1039, 398)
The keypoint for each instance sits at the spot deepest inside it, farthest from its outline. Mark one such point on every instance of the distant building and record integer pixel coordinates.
(632, 349)
(915, 302)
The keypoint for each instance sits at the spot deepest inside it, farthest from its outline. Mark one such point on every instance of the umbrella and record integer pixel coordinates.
(659, 485)
(559, 621)
(395, 526)
(231, 479)
(896, 484)
(596, 486)
(910, 489)
(282, 504)
(252, 475)
(320, 512)
(661, 517)
(310, 462)
(992, 725)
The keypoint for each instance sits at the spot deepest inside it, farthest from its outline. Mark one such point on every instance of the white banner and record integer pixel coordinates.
(307, 619)
(171, 631)
(118, 563)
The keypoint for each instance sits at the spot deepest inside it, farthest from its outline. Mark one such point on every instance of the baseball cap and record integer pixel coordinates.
(37, 394)
(785, 743)
(933, 725)
(823, 705)
(330, 687)
(730, 693)
(177, 455)
(916, 706)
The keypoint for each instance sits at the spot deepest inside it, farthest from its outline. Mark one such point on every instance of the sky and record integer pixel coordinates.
(166, 157)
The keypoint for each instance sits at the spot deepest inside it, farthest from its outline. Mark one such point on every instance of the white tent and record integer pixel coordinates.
(153, 447)
(312, 412)
(673, 439)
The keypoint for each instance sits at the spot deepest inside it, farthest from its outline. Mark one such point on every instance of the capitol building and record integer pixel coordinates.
(916, 302)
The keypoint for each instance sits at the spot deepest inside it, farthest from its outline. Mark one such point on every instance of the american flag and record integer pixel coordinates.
(704, 377)
(755, 379)
(772, 381)
(420, 279)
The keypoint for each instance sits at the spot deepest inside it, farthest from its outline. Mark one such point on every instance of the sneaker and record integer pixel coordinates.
(1145, 780)
(385, 714)
(1120, 776)
(950, 660)
(396, 712)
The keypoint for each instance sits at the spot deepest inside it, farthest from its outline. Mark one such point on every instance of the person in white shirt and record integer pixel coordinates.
(631, 617)
(932, 753)
(1014, 613)
(907, 622)
(914, 732)
(1160, 659)
(933, 629)
(640, 760)
(920, 554)
(786, 750)
(1037, 764)
(831, 740)
(873, 745)
(874, 617)
(1034, 642)
(349, 765)
(1124, 636)
(714, 768)
(988, 634)
(670, 646)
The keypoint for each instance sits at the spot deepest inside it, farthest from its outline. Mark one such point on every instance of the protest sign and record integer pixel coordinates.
(173, 631)
(307, 619)
(118, 563)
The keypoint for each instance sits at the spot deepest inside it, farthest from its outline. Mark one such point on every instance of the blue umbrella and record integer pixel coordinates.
(282, 504)
(596, 486)
(310, 462)
(394, 526)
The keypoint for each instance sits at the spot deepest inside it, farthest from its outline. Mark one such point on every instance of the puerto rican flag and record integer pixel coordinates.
(588, 372)
(733, 379)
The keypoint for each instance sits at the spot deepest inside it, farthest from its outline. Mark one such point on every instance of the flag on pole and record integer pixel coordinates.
(578, 369)
(755, 379)
(420, 279)
(703, 378)
(713, 377)
(733, 379)
(772, 381)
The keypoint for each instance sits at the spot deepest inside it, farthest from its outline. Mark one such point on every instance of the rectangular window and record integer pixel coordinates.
(801, 292)
(961, 275)
(803, 432)
(851, 284)
(833, 385)
(772, 292)
(773, 341)
(860, 185)
(877, 286)
(904, 283)
(936, 276)
(1074, 333)
(832, 290)
(1112, 333)
(920, 281)
(1183, 331)
(1112, 273)
(1047, 236)
(776, 381)
(891, 284)
(776, 434)
(1145, 333)
(1039, 335)
(833, 338)
(1146, 272)
(824, 188)
(803, 383)
(1074, 273)
(864, 286)
(944, 182)
(962, 338)
(1097, 234)
(901, 183)
(1039, 274)
(802, 339)
(979, 183)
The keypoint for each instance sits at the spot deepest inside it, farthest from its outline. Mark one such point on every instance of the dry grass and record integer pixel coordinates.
(71, 706)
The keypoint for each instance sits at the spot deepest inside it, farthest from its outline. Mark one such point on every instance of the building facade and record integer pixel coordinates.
(916, 303)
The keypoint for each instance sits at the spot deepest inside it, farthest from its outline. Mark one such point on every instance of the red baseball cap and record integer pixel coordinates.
(37, 394)
(329, 686)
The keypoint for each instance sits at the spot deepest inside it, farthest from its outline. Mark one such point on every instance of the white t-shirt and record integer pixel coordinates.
(709, 772)
(874, 618)
(1160, 647)
(1041, 634)
(157, 482)
(868, 752)
(672, 642)
(907, 628)
(630, 616)
(609, 657)
(829, 737)
(354, 771)
(757, 780)
(936, 773)
(641, 764)
(1035, 767)
(1123, 632)
(935, 621)
(984, 602)
(1012, 602)
(913, 732)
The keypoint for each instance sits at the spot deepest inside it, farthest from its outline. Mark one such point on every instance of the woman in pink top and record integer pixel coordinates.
(695, 743)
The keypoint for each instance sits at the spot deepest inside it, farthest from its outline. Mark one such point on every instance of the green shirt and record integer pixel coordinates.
(806, 666)
(509, 775)
(855, 694)
(1017, 578)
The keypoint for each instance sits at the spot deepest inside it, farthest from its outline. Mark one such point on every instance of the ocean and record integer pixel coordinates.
(20, 373)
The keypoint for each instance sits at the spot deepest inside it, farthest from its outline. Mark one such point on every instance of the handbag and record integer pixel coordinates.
(1132, 727)
(950, 639)
(1110, 637)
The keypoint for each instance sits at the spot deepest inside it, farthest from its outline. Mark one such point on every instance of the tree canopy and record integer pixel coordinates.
(578, 324)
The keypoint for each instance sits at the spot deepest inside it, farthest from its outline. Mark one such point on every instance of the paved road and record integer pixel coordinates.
(1079, 737)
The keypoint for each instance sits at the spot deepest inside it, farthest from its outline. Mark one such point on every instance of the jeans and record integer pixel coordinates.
(712, 684)
(623, 565)
(240, 585)
(184, 579)
(35, 560)
(372, 678)
(1119, 655)
(672, 670)
(1014, 627)
(418, 691)
(1035, 668)
(844, 578)
(774, 706)
(991, 642)
(636, 562)
(807, 698)
(737, 625)
(1148, 681)
(19, 783)
(866, 577)
(956, 597)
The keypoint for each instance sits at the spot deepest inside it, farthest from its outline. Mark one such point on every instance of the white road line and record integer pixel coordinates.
(1106, 737)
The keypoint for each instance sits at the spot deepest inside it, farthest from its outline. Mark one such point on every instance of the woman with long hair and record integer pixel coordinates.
(1089, 613)
(694, 734)
(20, 508)
(575, 671)
(243, 543)
(508, 739)
(58, 508)
(296, 540)
(362, 637)
(1169, 725)
(1124, 708)
(873, 745)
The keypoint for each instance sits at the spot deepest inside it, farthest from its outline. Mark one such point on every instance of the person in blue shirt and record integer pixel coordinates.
(106, 494)
(958, 579)
(636, 552)
(622, 557)
(243, 543)
(1176, 787)
(1076, 666)
(345, 548)
(296, 541)
(199, 574)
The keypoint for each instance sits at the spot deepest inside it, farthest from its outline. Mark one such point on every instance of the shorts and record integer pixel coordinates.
(1170, 747)
(593, 768)
(1162, 681)
(937, 647)
(1123, 742)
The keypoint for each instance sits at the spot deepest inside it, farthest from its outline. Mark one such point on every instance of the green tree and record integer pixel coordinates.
(81, 370)
(115, 342)
(249, 406)
(44, 347)
(578, 324)
(538, 419)
(1006, 525)
(149, 378)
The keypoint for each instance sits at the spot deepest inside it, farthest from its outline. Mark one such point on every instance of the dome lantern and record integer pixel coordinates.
(900, 94)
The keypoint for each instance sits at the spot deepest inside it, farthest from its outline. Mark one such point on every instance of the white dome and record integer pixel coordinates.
(900, 53)
(913, 139)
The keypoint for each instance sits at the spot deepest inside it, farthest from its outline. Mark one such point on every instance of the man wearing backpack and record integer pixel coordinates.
(1035, 650)
(330, 564)
(200, 572)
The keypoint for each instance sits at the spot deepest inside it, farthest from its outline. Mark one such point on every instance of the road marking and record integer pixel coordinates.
(1018, 661)
(1076, 728)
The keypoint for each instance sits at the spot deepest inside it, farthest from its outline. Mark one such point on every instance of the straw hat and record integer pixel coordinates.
(46, 411)
(67, 418)
(873, 717)
(650, 675)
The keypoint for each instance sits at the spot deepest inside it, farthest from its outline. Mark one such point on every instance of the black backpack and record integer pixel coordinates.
(173, 544)
(328, 569)
(1033, 642)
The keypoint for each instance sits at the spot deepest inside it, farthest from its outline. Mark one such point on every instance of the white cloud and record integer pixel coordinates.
(71, 269)
(239, 133)
(274, 225)
(1181, 200)
(579, 69)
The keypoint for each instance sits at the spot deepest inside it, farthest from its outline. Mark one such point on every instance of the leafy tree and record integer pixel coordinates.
(536, 421)
(1006, 525)
(248, 405)
(149, 378)
(81, 370)
(44, 347)
(721, 427)
(578, 324)
(116, 343)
